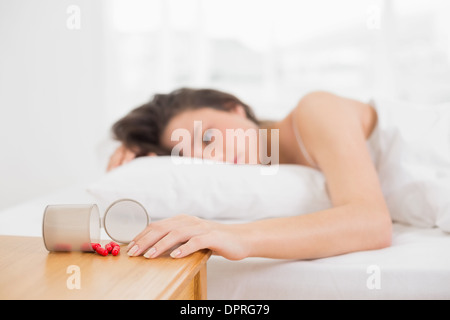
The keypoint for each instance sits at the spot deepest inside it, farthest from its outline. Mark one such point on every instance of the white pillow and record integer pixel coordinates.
(213, 190)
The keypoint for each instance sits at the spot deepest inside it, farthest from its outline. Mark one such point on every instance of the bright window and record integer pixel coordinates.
(270, 53)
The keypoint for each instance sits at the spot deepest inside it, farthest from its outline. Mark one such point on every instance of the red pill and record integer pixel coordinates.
(102, 251)
(86, 247)
(109, 247)
(115, 251)
(113, 244)
(95, 245)
(62, 247)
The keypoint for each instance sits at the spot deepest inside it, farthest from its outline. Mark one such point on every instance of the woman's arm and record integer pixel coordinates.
(333, 130)
(333, 133)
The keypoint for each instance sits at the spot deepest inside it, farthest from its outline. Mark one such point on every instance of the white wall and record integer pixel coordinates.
(51, 96)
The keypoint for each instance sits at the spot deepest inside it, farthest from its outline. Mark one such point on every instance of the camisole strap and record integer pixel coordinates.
(302, 146)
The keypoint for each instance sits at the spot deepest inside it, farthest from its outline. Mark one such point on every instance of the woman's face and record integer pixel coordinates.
(207, 133)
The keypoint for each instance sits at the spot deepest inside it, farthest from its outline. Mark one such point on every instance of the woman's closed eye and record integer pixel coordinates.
(208, 136)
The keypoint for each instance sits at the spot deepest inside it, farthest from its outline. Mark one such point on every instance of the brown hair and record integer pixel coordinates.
(140, 130)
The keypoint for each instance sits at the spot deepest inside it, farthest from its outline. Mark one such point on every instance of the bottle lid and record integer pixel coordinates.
(124, 219)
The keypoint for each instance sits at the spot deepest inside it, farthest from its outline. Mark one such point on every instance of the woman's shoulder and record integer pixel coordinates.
(323, 100)
(329, 108)
(317, 95)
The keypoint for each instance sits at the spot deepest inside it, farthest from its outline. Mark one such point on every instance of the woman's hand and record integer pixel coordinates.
(188, 234)
(121, 156)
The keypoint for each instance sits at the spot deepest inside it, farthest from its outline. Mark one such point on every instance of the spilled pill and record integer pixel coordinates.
(113, 244)
(95, 245)
(108, 247)
(63, 247)
(102, 251)
(115, 251)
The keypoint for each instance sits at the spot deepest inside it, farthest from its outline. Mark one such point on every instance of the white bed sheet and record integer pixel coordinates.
(416, 266)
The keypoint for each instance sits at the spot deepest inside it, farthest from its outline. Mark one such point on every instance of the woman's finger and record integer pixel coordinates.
(145, 241)
(160, 225)
(154, 232)
(194, 244)
(120, 156)
(128, 156)
(164, 234)
(170, 240)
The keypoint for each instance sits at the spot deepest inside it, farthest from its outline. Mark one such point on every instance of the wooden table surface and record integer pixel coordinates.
(29, 271)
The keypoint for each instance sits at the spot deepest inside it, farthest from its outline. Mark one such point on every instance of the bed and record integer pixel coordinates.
(415, 180)
(416, 266)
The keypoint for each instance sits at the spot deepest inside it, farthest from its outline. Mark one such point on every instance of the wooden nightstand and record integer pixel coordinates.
(29, 271)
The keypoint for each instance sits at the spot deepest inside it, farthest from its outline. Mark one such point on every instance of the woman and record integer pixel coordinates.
(324, 131)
